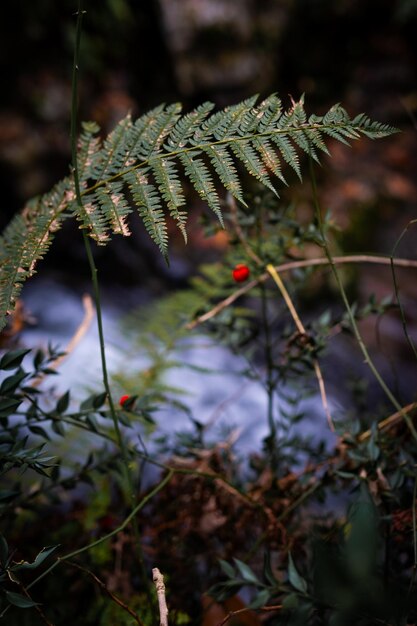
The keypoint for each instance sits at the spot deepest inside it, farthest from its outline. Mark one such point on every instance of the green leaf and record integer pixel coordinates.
(291, 601)
(362, 536)
(12, 382)
(12, 360)
(267, 570)
(261, 599)
(87, 404)
(8, 406)
(227, 569)
(145, 154)
(58, 427)
(246, 572)
(99, 399)
(41, 432)
(21, 601)
(39, 559)
(63, 403)
(297, 581)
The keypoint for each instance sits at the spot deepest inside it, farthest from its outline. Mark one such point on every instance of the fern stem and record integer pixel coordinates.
(129, 486)
(361, 343)
(225, 141)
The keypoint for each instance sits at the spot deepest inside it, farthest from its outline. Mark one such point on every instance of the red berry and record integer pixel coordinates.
(240, 273)
(123, 400)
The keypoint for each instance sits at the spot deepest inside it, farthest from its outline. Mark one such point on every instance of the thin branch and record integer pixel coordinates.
(111, 595)
(293, 265)
(265, 609)
(36, 605)
(396, 289)
(350, 313)
(114, 532)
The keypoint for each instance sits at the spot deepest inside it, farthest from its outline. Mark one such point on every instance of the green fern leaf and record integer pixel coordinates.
(143, 157)
(26, 240)
(91, 217)
(88, 151)
(170, 189)
(114, 207)
(156, 132)
(147, 200)
(268, 113)
(186, 126)
(269, 157)
(225, 169)
(111, 156)
(138, 134)
(201, 179)
(247, 155)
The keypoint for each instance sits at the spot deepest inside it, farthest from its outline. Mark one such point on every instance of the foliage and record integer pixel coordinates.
(138, 162)
(214, 520)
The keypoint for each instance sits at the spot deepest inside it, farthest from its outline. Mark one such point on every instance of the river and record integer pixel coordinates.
(230, 405)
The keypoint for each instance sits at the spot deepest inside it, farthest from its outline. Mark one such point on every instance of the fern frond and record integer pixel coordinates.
(140, 161)
(225, 169)
(186, 125)
(244, 151)
(88, 150)
(170, 188)
(26, 240)
(158, 129)
(114, 207)
(111, 157)
(200, 177)
(269, 157)
(147, 201)
(288, 152)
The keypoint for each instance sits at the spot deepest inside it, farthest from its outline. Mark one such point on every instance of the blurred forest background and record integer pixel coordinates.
(136, 55)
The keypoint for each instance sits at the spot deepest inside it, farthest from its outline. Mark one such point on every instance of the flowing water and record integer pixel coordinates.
(227, 403)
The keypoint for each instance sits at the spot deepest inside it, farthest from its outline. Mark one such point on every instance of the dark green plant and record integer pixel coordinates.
(138, 164)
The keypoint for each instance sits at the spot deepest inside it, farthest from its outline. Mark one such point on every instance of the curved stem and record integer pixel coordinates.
(351, 316)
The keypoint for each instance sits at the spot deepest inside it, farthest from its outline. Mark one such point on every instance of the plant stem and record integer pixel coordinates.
(351, 316)
(270, 385)
(128, 519)
(129, 487)
(397, 295)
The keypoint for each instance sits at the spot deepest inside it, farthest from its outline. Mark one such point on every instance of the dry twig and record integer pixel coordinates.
(265, 609)
(158, 580)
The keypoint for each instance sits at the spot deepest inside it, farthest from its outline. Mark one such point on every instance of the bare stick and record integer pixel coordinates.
(158, 580)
